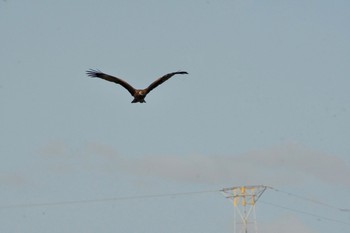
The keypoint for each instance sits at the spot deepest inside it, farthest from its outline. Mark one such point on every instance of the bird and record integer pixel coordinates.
(138, 94)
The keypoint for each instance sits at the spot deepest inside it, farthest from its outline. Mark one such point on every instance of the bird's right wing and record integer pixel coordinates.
(99, 74)
(162, 80)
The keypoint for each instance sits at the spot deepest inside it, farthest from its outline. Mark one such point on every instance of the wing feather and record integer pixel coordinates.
(98, 74)
(162, 80)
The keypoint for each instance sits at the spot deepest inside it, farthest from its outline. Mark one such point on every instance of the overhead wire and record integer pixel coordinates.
(101, 200)
(136, 197)
(306, 213)
(310, 200)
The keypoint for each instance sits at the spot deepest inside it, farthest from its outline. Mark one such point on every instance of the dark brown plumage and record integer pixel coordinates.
(138, 94)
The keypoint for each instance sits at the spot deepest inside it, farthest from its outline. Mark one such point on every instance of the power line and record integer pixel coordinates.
(306, 213)
(136, 197)
(310, 200)
(101, 200)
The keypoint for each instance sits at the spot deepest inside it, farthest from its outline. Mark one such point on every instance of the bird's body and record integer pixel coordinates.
(138, 94)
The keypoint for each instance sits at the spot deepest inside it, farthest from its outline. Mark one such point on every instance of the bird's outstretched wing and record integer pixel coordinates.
(98, 74)
(162, 80)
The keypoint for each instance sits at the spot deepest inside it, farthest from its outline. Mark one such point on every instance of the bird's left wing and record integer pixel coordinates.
(99, 74)
(162, 80)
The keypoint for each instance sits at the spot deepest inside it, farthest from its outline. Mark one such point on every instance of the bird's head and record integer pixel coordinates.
(141, 92)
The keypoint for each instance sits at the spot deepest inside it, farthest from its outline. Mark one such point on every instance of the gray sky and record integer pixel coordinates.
(266, 102)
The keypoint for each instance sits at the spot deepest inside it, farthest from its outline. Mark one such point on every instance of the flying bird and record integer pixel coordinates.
(138, 94)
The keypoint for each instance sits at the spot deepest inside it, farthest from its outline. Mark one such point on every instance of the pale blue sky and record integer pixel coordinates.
(266, 102)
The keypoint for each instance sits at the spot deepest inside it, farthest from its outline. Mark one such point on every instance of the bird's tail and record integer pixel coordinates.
(138, 101)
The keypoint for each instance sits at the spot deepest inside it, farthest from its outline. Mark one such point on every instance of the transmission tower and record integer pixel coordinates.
(244, 199)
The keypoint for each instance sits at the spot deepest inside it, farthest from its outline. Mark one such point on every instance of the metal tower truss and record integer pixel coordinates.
(244, 199)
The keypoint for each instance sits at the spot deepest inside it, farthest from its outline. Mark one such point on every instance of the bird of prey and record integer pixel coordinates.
(138, 94)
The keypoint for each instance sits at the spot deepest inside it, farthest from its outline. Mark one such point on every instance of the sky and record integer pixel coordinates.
(266, 102)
